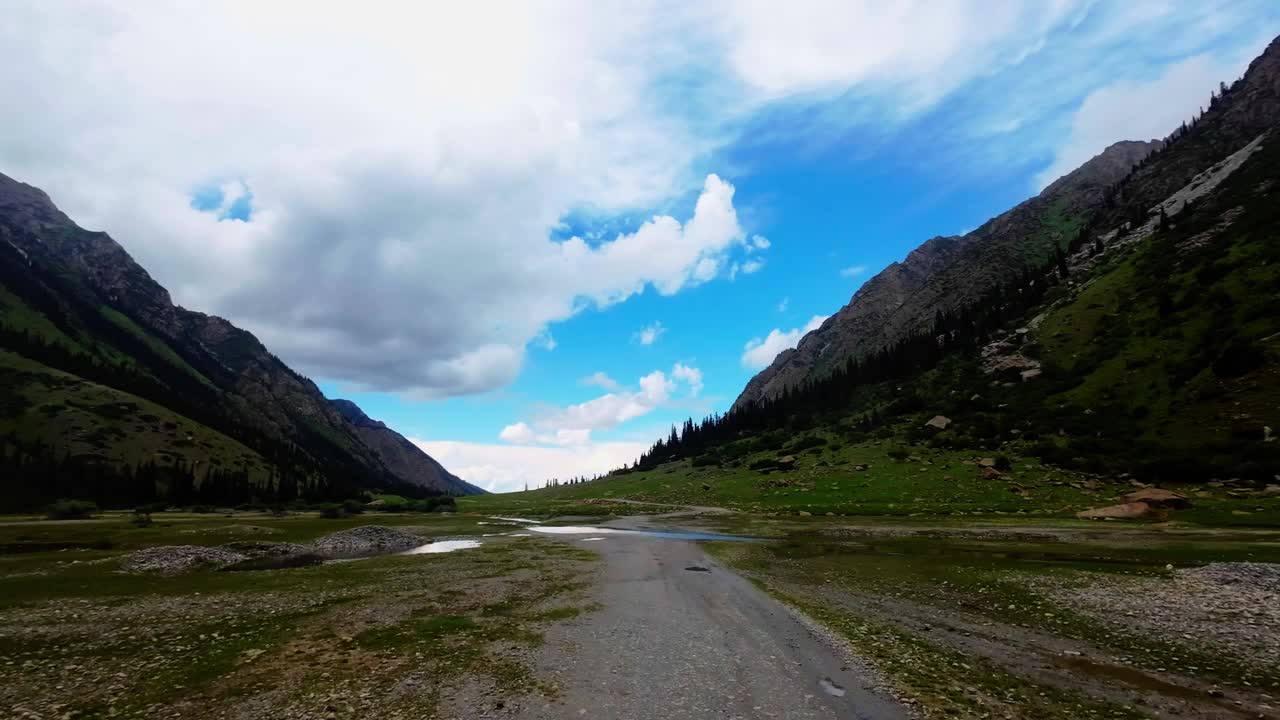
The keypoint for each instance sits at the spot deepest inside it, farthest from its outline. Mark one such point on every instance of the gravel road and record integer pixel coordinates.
(672, 641)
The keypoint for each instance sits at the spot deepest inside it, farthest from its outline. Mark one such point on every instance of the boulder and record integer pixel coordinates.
(987, 462)
(1031, 374)
(990, 473)
(939, 422)
(1125, 511)
(1159, 498)
(787, 462)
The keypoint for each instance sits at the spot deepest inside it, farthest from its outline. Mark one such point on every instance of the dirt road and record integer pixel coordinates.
(679, 636)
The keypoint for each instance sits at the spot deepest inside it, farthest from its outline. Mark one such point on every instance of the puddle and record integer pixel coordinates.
(442, 546)
(665, 534)
(516, 520)
(831, 688)
(697, 568)
(590, 539)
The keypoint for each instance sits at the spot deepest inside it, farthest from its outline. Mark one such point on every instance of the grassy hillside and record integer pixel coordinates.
(86, 419)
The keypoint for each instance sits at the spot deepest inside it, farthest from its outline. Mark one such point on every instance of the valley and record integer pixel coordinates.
(1029, 469)
(828, 616)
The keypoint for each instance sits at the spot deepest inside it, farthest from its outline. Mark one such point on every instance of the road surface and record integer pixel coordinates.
(674, 642)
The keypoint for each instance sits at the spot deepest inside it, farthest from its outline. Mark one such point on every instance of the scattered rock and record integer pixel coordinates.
(1256, 576)
(262, 548)
(1271, 490)
(1124, 511)
(804, 513)
(366, 540)
(1159, 498)
(860, 467)
(990, 473)
(939, 422)
(987, 462)
(177, 559)
(1032, 374)
(787, 462)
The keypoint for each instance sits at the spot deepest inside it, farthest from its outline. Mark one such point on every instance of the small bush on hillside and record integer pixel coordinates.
(353, 506)
(708, 460)
(1003, 464)
(71, 510)
(899, 453)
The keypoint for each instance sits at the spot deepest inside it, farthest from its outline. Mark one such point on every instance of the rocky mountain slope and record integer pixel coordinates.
(401, 456)
(947, 274)
(73, 301)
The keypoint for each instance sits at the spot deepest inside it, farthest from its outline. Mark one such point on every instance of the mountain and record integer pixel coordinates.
(402, 457)
(105, 370)
(946, 274)
(1120, 322)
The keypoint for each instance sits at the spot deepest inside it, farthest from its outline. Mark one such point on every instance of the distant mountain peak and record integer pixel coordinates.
(355, 415)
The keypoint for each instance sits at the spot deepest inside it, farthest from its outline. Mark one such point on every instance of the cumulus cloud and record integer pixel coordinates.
(399, 169)
(507, 468)
(649, 335)
(690, 375)
(573, 424)
(1140, 110)
(853, 271)
(759, 353)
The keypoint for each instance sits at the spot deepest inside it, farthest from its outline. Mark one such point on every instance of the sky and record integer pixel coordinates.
(532, 236)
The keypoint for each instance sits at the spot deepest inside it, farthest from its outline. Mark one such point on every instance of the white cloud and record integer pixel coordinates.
(758, 353)
(690, 375)
(746, 268)
(573, 424)
(1140, 110)
(853, 271)
(507, 468)
(649, 335)
(601, 379)
(518, 433)
(405, 162)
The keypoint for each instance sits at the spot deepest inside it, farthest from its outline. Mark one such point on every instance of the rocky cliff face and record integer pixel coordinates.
(402, 457)
(946, 273)
(84, 274)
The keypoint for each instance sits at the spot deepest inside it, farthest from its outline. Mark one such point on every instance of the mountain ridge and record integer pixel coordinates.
(87, 298)
(947, 272)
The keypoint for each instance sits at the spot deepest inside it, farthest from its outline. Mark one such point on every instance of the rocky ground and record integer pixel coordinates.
(391, 636)
(1041, 622)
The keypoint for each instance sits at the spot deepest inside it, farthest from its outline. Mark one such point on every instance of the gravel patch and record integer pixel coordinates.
(366, 540)
(1233, 608)
(176, 559)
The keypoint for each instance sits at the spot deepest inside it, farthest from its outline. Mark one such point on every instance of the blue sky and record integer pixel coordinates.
(456, 222)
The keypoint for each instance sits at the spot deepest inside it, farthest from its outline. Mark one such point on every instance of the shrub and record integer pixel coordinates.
(1003, 464)
(899, 453)
(333, 511)
(71, 510)
(141, 518)
(353, 506)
